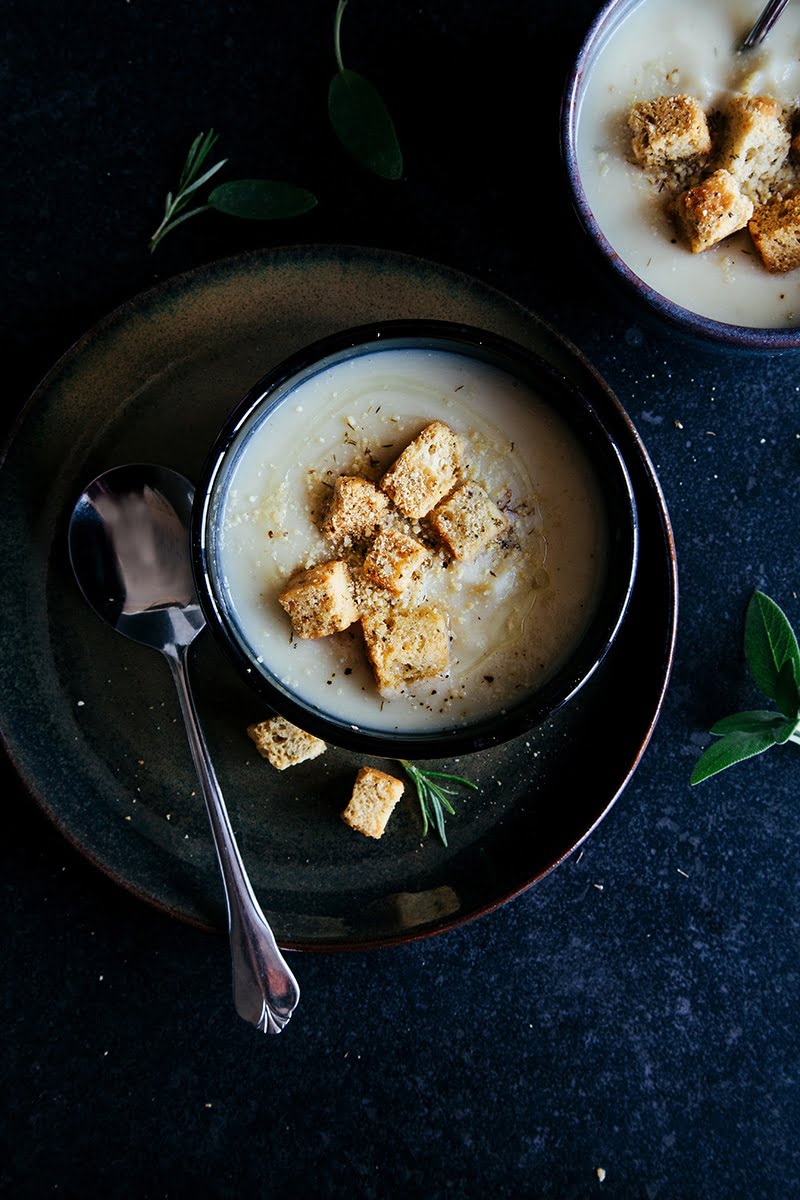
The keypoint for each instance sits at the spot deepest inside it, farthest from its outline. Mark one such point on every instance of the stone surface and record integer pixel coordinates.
(635, 1013)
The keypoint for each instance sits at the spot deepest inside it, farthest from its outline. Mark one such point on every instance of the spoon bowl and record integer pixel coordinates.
(129, 549)
(127, 546)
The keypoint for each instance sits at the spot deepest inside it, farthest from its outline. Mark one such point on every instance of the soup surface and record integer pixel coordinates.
(515, 611)
(668, 47)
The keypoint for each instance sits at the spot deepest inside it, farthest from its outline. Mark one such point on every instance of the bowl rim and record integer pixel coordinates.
(746, 337)
(536, 707)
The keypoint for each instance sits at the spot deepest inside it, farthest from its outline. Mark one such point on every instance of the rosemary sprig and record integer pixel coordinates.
(250, 199)
(191, 179)
(433, 796)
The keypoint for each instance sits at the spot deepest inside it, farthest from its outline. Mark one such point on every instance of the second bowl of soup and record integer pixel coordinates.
(682, 157)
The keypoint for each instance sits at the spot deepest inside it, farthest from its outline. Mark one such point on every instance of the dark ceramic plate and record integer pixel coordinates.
(91, 720)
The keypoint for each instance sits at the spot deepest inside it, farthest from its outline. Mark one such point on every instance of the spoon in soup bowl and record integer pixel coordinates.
(766, 19)
(129, 548)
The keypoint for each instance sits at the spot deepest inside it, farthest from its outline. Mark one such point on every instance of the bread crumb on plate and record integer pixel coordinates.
(283, 744)
(372, 802)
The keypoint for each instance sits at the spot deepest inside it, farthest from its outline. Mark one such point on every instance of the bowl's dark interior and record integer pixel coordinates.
(586, 424)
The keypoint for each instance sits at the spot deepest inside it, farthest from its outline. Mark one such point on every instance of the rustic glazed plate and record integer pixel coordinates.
(91, 721)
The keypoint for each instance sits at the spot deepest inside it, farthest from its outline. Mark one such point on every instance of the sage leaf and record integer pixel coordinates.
(362, 124)
(261, 199)
(762, 721)
(769, 642)
(787, 691)
(358, 115)
(772, 654)
(730, 749)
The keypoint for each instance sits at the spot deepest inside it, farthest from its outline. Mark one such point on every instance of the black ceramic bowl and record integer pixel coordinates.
(586, 423)
(599, 39)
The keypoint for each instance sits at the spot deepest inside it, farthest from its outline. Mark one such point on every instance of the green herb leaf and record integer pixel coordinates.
(198, 153)
(459, 779)
(252, 199)
(192, 177)
(769, 642)
(433, 796)
(732, 748)
(787, 690)
(761, 721)
(261, 199)
(774, 660)
(360, 118)
(362, 124)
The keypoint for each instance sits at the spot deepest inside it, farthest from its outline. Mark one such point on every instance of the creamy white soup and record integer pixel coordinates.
(669, 47)
(514, 612)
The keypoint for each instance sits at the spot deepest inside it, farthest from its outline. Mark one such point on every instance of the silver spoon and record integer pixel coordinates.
(772, 10)
(129, 547)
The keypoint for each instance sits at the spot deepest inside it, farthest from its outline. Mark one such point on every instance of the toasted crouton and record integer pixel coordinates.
(406, 647)
(426, 470)
(712, 210)
(356, 510)
(320, 601)
(667, 130)
(392, 560)
(775, 230)
(373, 801)
(755, 142)
(468, 521)
(283, 744)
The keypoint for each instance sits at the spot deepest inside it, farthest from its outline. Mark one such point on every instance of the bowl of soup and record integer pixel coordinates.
(414, 539)
(682, 158)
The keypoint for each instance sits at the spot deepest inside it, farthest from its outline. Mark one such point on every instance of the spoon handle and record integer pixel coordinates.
(769, 15)
(265, 991)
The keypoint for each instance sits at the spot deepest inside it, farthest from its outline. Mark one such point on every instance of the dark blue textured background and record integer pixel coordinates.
(648, 1028)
